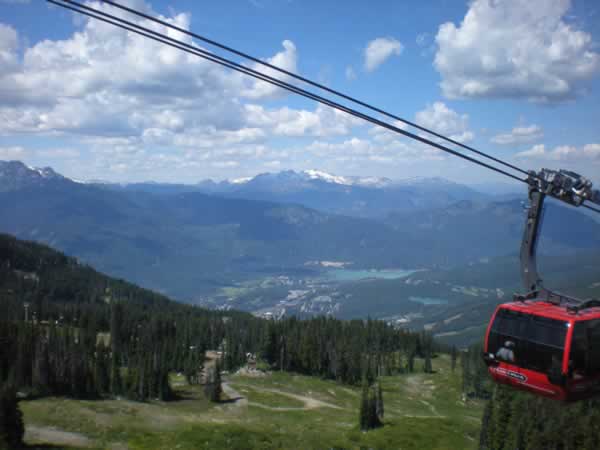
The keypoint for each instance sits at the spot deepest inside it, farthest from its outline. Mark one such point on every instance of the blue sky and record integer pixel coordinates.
(517, 78)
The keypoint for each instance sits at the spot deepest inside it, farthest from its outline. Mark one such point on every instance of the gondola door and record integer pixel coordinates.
(544, 362)
(584, 360)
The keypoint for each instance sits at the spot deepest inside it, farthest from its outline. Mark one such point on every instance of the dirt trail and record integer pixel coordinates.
(43, 435)
(236, 400)
(431, 407)
(309, 402)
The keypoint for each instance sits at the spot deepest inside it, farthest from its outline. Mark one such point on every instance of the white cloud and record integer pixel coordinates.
(515, 49)
(379, 50)
(519, 135)
(61, 153)
(324, 121)
(563, 153)
(422, 39)
(350, 73)
(8, 47)
(225, 164)
(11, 153)
(536, 151)
(354, 150)
(592, 150)
(286, 59)
(382, 135)
(441, 119)
(132, 107)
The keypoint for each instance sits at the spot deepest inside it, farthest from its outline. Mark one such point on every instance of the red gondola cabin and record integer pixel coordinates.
(544, 348)
(547, 343)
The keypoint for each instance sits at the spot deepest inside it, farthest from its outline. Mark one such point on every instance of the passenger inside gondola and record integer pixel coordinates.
(506, 353)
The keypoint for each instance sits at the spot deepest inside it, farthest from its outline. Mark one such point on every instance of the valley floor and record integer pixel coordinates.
(280, 410)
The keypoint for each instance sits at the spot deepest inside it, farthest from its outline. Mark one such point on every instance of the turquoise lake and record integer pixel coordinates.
(355, 275)
(428, 300)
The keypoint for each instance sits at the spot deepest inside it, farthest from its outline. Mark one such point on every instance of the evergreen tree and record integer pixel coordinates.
(427, 368)
(212, 386)
(11, 420)
(102, 372)
(410, 366)
(484, 433)
(373, 419)
(379, 402)
(217, 388)
(364, 406)
(453, 357)
(116, 385)
(371, 407)
(500, 417)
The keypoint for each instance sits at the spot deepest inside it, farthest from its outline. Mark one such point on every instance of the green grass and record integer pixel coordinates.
(421, 411)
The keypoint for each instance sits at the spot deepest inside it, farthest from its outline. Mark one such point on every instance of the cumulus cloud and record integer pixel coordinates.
(592, 150)
(564, 153)
(519, 135)
(515, 49)
(422, 39)
(8, 47)
(14, 152)
(324, 121)
(131, 106)
(286, 59)
(379, 50)
(438, 117)
(393, 151)
(350, 73)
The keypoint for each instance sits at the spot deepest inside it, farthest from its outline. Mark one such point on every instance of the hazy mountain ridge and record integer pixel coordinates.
(191, 244)
(369, 197)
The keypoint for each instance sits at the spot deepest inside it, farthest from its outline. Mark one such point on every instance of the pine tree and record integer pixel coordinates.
(41, 368)
(217, 388)
(484, 434)
(453, 356)
(116, 384)
(102, 374)
(379, 402)
(427, 368)
(372, 408)
(500, 417)
(364, 406)
(11, 420)
(410, 366)
(212, 386)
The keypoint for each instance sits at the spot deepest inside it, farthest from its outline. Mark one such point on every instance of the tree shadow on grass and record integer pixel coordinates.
(45, 446)
(231, 400)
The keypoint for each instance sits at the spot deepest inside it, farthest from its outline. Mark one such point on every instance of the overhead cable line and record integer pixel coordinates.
(591, 207)
(308, 81)
(146, 32)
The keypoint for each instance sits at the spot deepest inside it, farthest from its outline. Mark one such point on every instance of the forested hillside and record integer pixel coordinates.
(77, 332)
(518, 420)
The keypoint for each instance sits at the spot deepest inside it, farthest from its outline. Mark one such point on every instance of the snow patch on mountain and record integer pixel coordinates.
(243, 180)
(318, 175)
(324, 176)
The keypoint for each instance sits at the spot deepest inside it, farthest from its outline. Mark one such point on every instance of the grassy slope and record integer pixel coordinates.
(278, 411)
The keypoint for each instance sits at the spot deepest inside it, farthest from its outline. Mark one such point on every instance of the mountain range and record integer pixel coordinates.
(189, 243)
(368, 197)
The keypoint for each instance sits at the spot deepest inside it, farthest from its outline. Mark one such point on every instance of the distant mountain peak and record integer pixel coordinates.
(314, 175)
(17, 175)
(242, 180)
